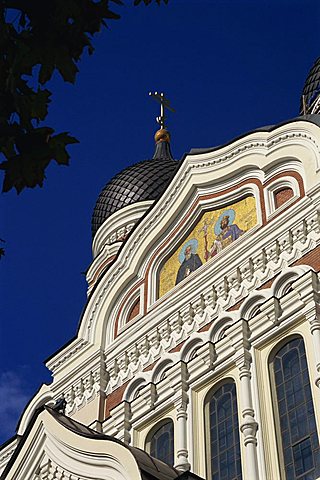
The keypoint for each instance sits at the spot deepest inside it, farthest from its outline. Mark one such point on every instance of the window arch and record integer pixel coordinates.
(296, 428)
(223, 459)
(160, 443)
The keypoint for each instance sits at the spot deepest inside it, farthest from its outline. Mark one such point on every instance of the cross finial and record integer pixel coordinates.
(164, 103)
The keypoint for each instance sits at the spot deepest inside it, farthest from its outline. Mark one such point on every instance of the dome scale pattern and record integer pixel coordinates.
(145, 180)
(311, 87)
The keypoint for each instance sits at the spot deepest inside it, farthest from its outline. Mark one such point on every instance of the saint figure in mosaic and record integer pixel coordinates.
(226, 232)
(189, 259)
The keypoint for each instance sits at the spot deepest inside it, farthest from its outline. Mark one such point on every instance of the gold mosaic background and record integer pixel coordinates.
(207, 239)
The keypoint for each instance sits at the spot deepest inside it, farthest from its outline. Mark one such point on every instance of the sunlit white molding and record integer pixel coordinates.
(100, 263)
(116, 227)
(44, 396)
(296, 139)
(310, 295)
(77, 347)
(168, 394)
(239, 335)
(119, 424)
(276, 314)
(241, 280)
(285, 280)
(291, 306)
(221, 324)
(81, 383)
(190, 347)
(268, 331)
(135, 385)
(252, 303)
(7, 452)
(110, 237)
(51, 450)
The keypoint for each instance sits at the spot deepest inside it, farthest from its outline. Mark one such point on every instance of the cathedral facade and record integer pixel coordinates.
(198, 352)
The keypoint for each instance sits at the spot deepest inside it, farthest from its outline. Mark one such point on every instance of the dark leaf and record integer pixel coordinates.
(40, 102)
(66, 66)
(22, 171)
(46, 72)
(58, 145)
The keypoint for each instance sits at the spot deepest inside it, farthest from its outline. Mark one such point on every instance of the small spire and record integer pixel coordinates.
(162, 136)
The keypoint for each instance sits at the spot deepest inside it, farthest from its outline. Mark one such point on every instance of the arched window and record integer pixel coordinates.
(224, 460)
(296, 427)
(160, 442)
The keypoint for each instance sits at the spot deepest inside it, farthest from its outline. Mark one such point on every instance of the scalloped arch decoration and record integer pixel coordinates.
(283, 282)
(191, 346)
(136, 384)
(251, 305)
(166, 362)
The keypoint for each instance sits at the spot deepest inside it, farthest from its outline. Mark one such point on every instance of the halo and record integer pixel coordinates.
(231, 213)
(193, 242)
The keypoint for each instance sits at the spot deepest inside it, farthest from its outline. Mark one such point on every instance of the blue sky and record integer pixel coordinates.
(227, 66)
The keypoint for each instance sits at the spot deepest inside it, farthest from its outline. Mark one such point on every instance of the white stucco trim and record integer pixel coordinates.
(53, 449)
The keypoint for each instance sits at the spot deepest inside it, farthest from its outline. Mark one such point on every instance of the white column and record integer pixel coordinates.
(182, 463)
(248, 426)
(121, 416)
(315, 332)
(239, 336)
(179, 383)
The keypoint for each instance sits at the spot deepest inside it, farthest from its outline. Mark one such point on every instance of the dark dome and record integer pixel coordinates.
(311, 87)
(145, 180)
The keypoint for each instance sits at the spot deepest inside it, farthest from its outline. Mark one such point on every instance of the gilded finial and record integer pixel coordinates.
(162, 135)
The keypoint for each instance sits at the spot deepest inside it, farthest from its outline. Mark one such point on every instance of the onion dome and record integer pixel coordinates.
(145, 180)
(310, 98)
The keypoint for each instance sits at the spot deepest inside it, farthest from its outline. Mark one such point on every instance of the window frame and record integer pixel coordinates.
(274, 400)
(283, 182)
(153, 431)
(208, 398)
